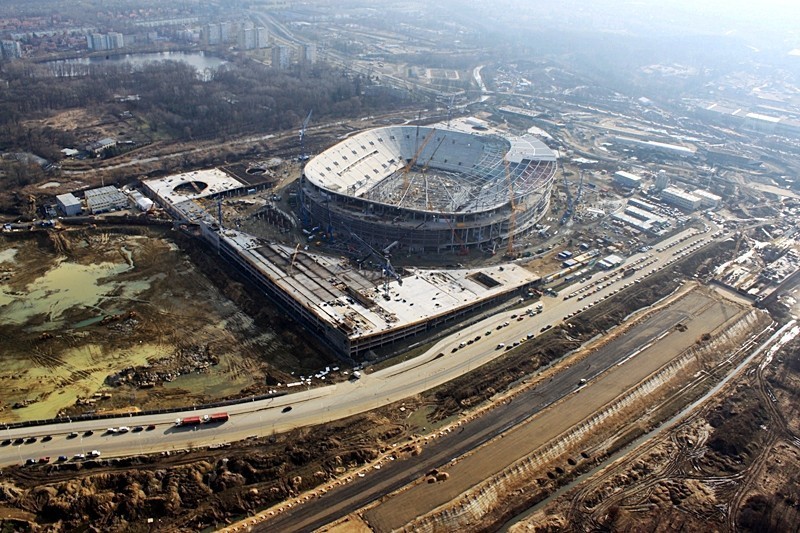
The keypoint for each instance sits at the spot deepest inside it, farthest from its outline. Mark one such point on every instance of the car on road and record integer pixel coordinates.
(286, 409)
(19, 440)
(30, 461)
(88, 433)
(548, 326)
(137, 429)
(124, 429)
(44, 460)
(79, 456)
(31, 440)
(72, 435)
(151, 427)
(94, 453)
(47, 438)
(499, 346)
(112, 431)
(6, 442)
(62, 458)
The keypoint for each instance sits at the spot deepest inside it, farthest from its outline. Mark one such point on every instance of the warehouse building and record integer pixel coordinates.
(627, 180)
(69, 204)
(105, 199)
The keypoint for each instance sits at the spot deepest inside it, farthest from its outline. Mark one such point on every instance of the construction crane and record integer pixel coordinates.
(568, 212)
(387, 269)
(425, 169)
(580, 191)
(412, 162)
(303, 154)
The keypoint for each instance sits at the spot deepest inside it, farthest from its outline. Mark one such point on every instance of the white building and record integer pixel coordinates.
(262, 37)
(69, 204)
(105, 199)
(247, 39)
(97, 41)
(679, 198)
(627, 180)
(707, 199)
(115, 40)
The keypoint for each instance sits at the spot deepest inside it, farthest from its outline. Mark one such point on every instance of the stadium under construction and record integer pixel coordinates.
(430, 188)
(503, 190)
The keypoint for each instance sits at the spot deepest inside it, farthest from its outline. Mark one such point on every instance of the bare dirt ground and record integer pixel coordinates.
(121, 319)
(702, 313)
(730, 467)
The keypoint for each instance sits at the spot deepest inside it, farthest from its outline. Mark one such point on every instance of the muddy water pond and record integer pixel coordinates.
(105, 303)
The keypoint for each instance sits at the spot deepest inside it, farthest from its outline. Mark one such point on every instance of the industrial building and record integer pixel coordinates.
(105, 199)
(430, 188)
(707, 199)
(69, 204)
(680, 199)
(627, 180)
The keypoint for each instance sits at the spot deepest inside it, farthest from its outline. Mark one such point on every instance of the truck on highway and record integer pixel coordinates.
(188, 421)
(216, 418)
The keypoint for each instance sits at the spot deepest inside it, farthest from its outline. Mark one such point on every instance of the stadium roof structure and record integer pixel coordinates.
(435, 168)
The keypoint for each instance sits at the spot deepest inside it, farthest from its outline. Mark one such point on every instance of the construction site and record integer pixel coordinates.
(399, 189)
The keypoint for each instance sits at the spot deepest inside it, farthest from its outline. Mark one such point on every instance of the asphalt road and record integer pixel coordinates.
(335, 401)
(395, 474)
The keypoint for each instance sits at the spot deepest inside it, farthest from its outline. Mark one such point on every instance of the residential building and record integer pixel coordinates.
(10, 49)
(308, 53)
(280, 56)
(262, 37)
(115, 40)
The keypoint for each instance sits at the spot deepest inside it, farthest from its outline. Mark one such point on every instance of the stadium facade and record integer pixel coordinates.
(429, 188)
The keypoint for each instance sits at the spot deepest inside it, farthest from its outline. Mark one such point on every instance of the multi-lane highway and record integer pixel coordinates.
(445, 361)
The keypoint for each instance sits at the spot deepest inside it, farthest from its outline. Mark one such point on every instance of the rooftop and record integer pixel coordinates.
(353, 299)
(192, 185)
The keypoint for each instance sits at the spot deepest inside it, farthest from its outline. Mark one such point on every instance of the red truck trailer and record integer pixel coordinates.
(188, 421)
(216, 418)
